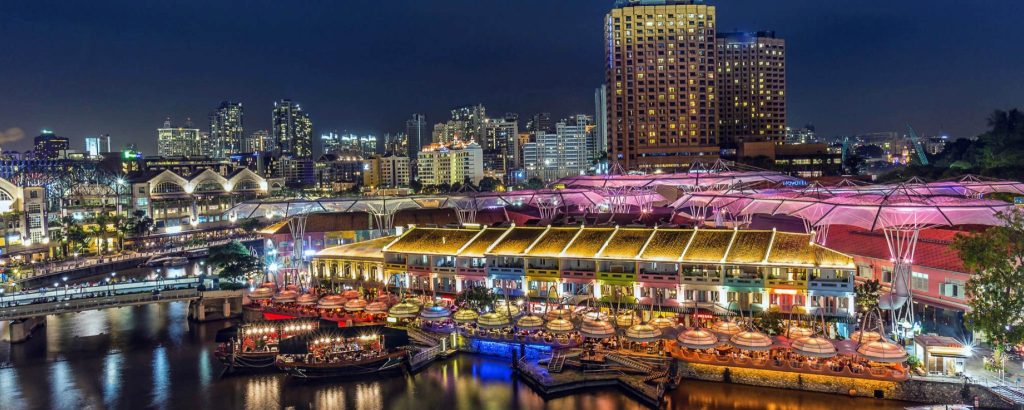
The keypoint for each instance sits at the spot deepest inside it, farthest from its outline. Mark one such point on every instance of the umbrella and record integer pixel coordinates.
(624, 320)
(749, 340)
(465, 316)
(557, 314)
(492, 320)
(642, 332)
(559, 326)
(355, 305)
(377, 308)
(726, 327)
(796, 332)
(404, 310)
(813, 347)
(435, 312)
(530, 322)
(351, 294)
(597, 329)
(865, 337)
(697, 339)
(662, 322)
(261, 294)
(286, 296)
(332, 302)
(306, 299)
(882, 351)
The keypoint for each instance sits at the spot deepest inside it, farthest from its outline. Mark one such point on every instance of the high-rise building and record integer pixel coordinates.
(226, 131)
(292, 129)
(50, 146)
(260, 141)
(331, 142)
(449, 164)
(600, 120)
(416, 134)
(540, 122)
(180, 141)
(95, 145)
(751, 88)
(660, 74)
(557, 155)
(396, 144)
(388, 171)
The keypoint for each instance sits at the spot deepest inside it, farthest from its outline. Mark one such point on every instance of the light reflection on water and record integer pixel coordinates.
(150, 357)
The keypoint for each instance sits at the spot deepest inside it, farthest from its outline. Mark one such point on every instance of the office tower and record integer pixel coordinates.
(660, 74)
(416, 134)
(388, 171)
(396, 144)
(292, 129)
(540, 122)
(600, 120)
(459, 162)
(557, 155)
(226, 131)
(260, 141)
(50, 146)
(331, 142)
(95, 145)
(180, 141)
(751, 88)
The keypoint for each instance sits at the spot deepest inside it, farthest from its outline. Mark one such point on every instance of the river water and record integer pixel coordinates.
(152, 357)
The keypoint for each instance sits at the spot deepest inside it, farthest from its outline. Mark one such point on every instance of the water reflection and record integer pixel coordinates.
(150, 357)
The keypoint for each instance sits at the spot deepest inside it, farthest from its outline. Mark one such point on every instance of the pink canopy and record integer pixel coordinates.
(687, 180)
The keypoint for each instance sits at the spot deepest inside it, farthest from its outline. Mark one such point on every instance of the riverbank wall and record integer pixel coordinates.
(914, 390)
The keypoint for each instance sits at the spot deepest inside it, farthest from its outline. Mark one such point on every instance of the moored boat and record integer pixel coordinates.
(344, 352)
(254, 345)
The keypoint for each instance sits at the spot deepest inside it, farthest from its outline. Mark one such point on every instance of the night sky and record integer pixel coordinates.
(120, 67)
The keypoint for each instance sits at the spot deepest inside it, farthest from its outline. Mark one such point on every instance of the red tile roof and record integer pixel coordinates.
(933, 249)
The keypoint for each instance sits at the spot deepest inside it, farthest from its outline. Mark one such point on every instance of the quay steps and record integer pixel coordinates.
(1009, 394)
(422, 337)
(630, 363)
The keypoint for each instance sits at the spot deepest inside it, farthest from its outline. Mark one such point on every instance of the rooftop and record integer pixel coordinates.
(371, 249)
(743, 247)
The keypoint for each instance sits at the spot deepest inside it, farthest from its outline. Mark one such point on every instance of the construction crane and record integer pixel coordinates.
(921, 155)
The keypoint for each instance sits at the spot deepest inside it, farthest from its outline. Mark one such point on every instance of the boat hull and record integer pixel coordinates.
(247, 361)
(387, 364)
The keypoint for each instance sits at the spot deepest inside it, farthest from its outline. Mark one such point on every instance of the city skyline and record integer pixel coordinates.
(887, 55)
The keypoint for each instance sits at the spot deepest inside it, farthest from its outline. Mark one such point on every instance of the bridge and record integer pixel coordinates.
(28, 310)
(23, 305)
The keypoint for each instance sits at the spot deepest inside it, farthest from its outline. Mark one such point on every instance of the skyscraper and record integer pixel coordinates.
(416, 134)
(396, 144)
(293, 130)
(751, 88)
(600, 120)
(557, 155)
(50, 146)
(260, 140)
(226, 131)
(95, 145)
(660, 74)
(181, 141)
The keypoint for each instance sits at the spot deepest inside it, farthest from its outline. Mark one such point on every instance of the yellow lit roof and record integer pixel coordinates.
(708, 245)
(433, 241)
(516, 241)
(479, 245)
(588, 242)
(626, 243)
(553, 241)
(667, 244)
(797, 249)
(365, 250)
(663, 245)
(749, 247)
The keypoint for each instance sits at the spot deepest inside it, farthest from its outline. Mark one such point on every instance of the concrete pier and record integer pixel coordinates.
(216, 305)
(21, 330)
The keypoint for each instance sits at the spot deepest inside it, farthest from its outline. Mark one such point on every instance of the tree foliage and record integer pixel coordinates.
(476, 297)
(769, 321)
(234, 261)
(994, 259)
(998, 153)
(867, 294)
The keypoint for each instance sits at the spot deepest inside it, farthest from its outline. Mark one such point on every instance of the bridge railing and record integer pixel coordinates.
(73, 293)
(43, 309)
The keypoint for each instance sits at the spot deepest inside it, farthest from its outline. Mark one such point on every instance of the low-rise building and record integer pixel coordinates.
(176, 201)
(389, 171)
(712, 269)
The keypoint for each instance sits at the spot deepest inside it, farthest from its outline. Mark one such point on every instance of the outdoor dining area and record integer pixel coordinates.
(866, 354)
(349, 308)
